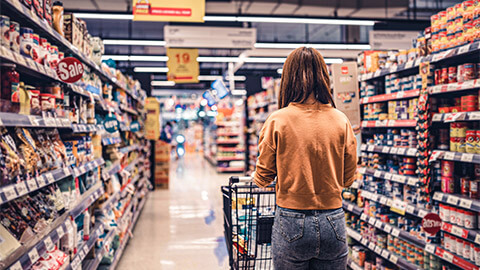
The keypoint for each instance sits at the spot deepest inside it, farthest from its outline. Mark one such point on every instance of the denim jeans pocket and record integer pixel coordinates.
(337, 221)
(290, 224)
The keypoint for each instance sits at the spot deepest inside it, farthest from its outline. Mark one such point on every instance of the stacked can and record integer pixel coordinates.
(409, 166)
(458, 135)
(469, 103)
(448, 183)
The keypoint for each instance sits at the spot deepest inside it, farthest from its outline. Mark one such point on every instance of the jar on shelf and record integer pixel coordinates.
(10, 82)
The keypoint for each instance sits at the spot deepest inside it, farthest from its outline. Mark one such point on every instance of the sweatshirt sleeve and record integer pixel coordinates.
(350, 158)
(266, 168)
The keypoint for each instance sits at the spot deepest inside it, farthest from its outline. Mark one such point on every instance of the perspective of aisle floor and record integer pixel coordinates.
(181, 228)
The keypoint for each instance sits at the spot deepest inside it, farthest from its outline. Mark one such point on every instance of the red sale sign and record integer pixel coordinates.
(431, 223)
(69, 70)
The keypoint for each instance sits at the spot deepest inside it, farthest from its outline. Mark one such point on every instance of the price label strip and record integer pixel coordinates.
(452, 200)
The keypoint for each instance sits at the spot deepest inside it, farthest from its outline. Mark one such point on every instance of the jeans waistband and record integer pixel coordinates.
(309, 212)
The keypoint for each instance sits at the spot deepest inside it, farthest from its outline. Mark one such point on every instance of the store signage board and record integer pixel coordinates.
(432, 223)
(70, 70)
(345, 91)
(111, 124)
(168, 10)
(182, 65)
(388, 40)
(152, 121)
(209, 37)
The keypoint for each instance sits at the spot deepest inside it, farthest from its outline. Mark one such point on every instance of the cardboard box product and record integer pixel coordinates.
(73, 30)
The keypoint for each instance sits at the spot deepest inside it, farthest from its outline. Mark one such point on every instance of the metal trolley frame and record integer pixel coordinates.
(248, 219)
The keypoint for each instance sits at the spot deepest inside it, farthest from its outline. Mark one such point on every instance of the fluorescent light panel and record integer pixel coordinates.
(163, 83)
(106, 16)
(134, 42)
(151, 69)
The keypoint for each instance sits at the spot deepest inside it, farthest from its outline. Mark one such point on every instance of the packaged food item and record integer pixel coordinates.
(58, 23)
(10, 82)
(26, 41)
(5, 28)
(72, 30)
(34, 52)
(47, 12)
(24, 99)
(15, 36)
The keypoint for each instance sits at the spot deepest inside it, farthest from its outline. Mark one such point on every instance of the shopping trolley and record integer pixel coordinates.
(248, 219)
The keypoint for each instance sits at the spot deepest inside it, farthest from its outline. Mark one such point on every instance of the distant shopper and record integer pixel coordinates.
(167, 133)
(311, 148)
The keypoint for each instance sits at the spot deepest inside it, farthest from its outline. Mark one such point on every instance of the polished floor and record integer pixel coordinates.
(181, 228)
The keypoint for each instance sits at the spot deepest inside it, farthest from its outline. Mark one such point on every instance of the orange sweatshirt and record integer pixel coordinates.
(312, 150)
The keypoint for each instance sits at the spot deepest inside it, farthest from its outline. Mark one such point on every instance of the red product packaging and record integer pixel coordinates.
(447, 168)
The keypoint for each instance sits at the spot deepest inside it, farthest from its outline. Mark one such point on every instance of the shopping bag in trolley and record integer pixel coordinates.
(248, 219)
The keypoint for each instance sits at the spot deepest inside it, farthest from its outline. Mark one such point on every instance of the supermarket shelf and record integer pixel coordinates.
(396, 232)
(470, 235)
(228, 141)
(402, 179)
(25, 256)
(128, 149)
(406, 207)
(457, 200)
(11, 192)
(77, 171)
(93, 264)
(230, 158)
(410, 65)
(449, 257)
(231, 149)
(113, 169)
(454, 156)
(352, 208)
(128, 110)
(82, 128)
(230, 169)
(402, 263)
(454, 87)
(20, 120)
(131, 165)
(112, 140)
(456, 117)
(82, 252)
(389, 123)
(391, 96)
(228, 134)
(401, 151)
(210, 159)
(353, 265)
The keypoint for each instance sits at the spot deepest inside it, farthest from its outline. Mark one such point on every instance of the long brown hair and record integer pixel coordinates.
(304, 73)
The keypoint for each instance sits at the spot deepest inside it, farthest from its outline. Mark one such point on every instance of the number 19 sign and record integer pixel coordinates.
(182, 65)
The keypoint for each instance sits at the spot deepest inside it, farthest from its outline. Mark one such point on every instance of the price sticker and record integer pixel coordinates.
(21, 60)
(447, 256)
(33, 255)
(76, 263)
(387, 228)
(371, 148)
(378, 174)
(362, 170)
(364, 123)
(412, 152)
(32, 184)
(386, 149)
(395, 232)
(422, 213)
(457, 231)
(430, 248)
(355, 185)
(410, 209)
(409, 64)
(477, 238)
(463, 49)
(465, 203)
(49, 178)
(41, 69)
(393, 69)
(387, 176)
(66, 171)
(452, 200)
(17, 265)
(364, 242)
(22, 188)
(438, 196)
(393, 150)
(374, 197)
(437, 117)
(467, 157)
(48, 243)
(363, 217)
(369, 76)
(383, 200)
(385, 254)
(389, 202)
(401, 151)
(377, 73)
(33, 120)
(85, 249)
(412, 181)
(41, 181)
(350, 207)
(378, 250)
(393, 259)
(398, 178)
(10, 192)
(60, 231)
(371, 221)
(371, 245)
(8, 53)
(378, 224)
(418, 61)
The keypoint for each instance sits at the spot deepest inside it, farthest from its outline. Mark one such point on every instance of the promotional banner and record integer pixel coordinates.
(152, 121)
(391, 40)
(345, 91)
(209, 37)
(182, 65)
(169, 10)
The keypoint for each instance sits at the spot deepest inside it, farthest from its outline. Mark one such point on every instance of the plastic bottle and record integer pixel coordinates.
(86, 225)
(58, 17)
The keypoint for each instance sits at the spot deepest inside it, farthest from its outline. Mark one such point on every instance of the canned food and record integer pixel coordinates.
(448, 184)
(5, 28)
(34, 53)
(474, 189)
(447, 168)
(15, 36)
(26, 41)
(469, 220)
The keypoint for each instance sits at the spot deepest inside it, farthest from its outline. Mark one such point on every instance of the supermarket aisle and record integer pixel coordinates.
(181, 228)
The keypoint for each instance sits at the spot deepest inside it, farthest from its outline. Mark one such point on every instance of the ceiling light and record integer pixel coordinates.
(264, 59)
(236, 78)
(280, 70)
(113, 16)
(315, 46)
(115, 57)
(204, 102)
(147, 58)
(163, 83)
(134, 42)
(104, 16)
(238, 92)
(217, 59)
(218, 77)
(151, 69)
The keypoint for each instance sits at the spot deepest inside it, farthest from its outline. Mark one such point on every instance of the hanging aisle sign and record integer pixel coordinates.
(345, 91)
(183, 65)
(152, 120)
(70, 70)
(169, 10)
(111, 124)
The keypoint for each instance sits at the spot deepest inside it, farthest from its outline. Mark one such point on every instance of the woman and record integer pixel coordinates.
(311, 148)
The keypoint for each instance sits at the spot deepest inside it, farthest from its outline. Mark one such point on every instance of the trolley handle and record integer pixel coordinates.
(240, 179)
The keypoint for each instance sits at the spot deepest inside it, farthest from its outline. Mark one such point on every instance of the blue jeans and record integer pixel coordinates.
(309, 239)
